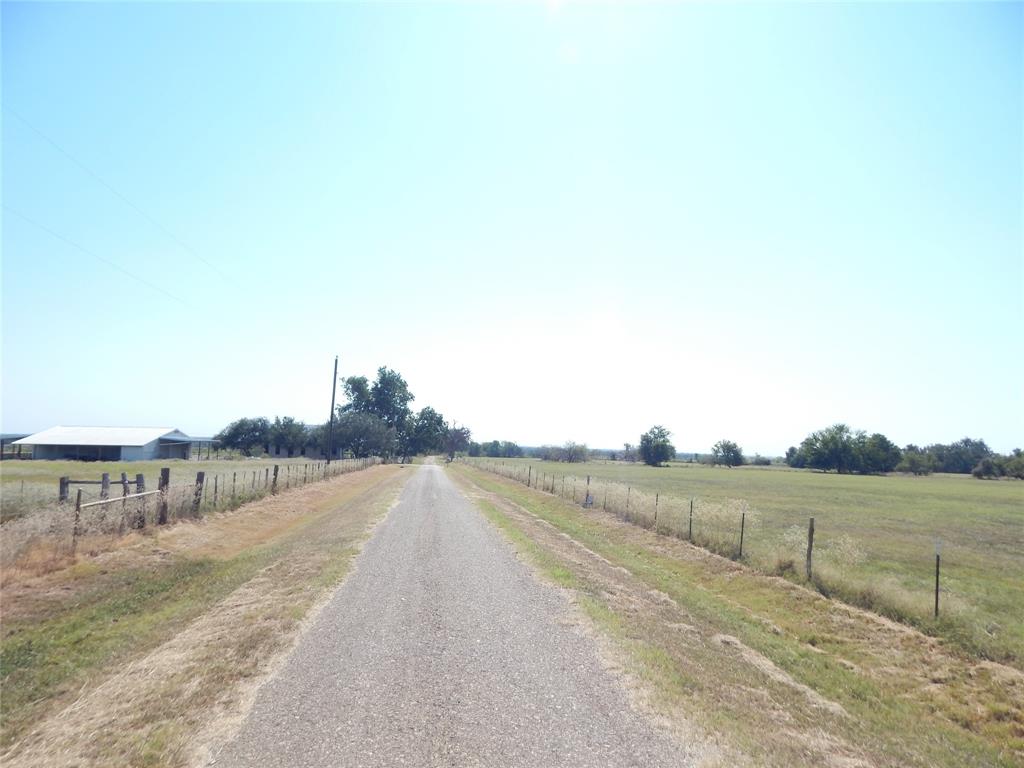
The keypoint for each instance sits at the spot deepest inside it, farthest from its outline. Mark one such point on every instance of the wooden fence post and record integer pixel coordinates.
(105, 486)
(216, 489)
(74, 527)
(62, 493)
(810, 547)
(197, 494)
(743, 523)
(656, 497)
(234, 480)
(273, 487)
(140, 483)
(164, 488)
(529, 476)
(689, 536)
(124, 492)
(938, 557)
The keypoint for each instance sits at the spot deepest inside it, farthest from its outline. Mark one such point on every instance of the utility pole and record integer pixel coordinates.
(330, 427)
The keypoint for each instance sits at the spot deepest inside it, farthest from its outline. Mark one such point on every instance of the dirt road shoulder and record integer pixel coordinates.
(169, 634)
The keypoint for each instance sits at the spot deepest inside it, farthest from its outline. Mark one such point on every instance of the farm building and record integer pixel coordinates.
(7, 448)
(110, 443)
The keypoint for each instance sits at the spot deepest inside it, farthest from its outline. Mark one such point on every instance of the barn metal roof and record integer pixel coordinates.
(100, 436)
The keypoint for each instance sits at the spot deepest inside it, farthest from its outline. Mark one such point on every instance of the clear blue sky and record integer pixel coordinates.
(557, 221)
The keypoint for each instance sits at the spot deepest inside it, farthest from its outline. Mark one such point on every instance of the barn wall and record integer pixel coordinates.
(84, 452)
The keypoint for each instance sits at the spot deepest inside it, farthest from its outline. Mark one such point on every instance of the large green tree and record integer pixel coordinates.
(831, 448)
(655, 447)
(960, 457)
(288, 434)
(456, 439)
(387, 398)
(726, 452)
(422, 433)
(365, 435)
(245, 434)
(877, 453)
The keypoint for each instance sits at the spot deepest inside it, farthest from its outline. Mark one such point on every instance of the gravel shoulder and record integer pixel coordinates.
(443, 649)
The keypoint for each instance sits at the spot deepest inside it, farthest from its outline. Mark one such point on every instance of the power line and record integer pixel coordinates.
(82, 166)
(96, 256)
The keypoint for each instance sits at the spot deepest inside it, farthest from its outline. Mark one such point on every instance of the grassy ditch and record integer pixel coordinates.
(142, 642)
(783, 675)
(874, 535)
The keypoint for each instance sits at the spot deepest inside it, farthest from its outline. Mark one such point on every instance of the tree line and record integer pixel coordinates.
(837, 448)
(376, 420)
(841, 449)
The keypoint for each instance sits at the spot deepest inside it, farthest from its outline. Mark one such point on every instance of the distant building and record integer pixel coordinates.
(110, 443)
(7, 448)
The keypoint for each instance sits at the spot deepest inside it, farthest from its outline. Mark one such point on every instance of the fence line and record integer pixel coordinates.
(718, 526)
(61, 527)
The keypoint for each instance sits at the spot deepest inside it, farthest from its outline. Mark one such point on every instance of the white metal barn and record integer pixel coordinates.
(109, 443)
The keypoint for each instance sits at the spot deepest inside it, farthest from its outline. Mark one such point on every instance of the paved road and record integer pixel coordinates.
(441, 649)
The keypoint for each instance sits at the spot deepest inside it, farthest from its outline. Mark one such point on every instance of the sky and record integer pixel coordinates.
(558, 221)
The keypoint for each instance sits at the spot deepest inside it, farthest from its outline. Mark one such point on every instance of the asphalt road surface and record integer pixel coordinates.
(442, 649)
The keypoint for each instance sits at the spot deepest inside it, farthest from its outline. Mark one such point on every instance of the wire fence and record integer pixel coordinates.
(732, 528)
(100, 509)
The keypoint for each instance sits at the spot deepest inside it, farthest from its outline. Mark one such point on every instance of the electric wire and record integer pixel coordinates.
(99, 180)
(95, 255)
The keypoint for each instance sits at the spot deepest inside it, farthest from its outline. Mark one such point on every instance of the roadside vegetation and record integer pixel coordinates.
(776, 671)
(875, 536)
(125, 656)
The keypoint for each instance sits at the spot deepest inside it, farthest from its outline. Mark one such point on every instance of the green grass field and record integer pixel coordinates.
(874, 536)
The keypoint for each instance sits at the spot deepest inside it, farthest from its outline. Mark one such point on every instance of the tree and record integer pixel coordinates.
(831, 448)
(877, 454)
(575, 452)
(357, 390)
(916, 461)
(795, 457)
(288, 434)
(726, 452)
(428, 431)
(455, 439)
(245, 434)
(390, 397)
(628, 452)
(387, 398)
(960, 457)
(365, 435)
(655, 448)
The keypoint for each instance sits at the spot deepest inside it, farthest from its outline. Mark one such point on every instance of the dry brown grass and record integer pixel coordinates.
(157, 706)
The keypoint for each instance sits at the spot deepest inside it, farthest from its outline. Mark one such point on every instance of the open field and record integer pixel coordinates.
(770, 671)
(874, 536)
(131, 656)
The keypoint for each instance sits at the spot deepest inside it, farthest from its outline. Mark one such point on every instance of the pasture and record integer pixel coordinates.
(29, 485)
(875, 536)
